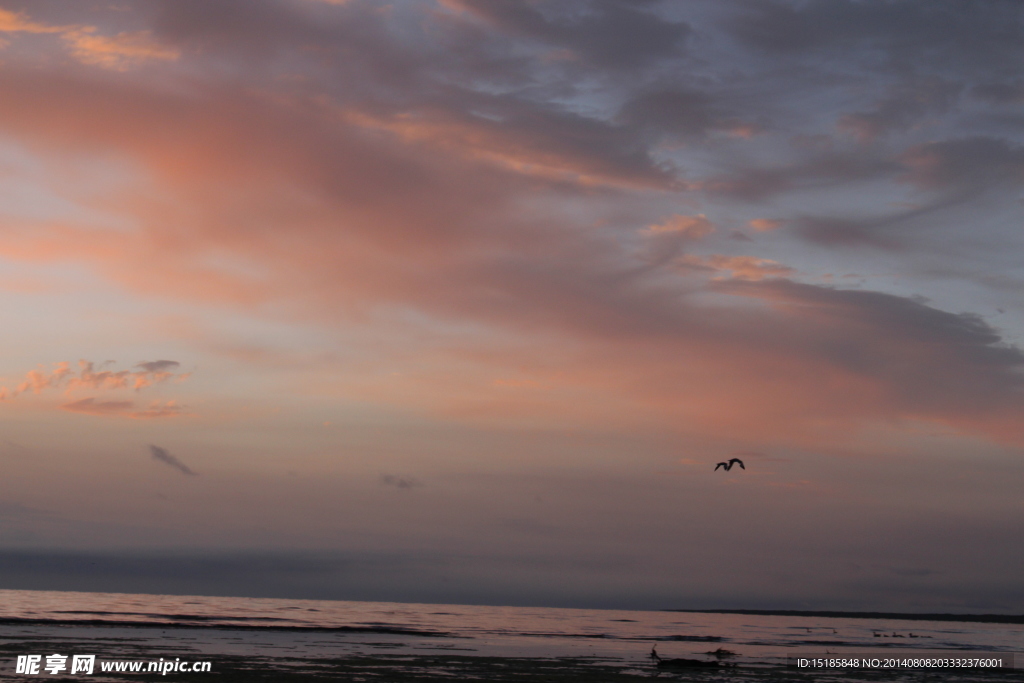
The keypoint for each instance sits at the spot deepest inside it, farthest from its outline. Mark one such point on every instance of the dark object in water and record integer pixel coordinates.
(728, 465)
(721, 652)
(691, 639)
(976, 618)
(680, 663)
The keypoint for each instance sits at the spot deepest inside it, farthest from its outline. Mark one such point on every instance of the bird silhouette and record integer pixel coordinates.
(728, 465)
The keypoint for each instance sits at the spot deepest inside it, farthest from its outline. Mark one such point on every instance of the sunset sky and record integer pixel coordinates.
(462, 300)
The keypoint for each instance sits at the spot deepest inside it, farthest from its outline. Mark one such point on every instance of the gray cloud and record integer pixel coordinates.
(820, 171)
(506, 263)
(844, 232)
(159, 365)
(944, 362)
(491, 166)
(611, 33)
(880, 565)
(942, 33)
(162, 455)
(255, 26)
(905, 105)
(973, 164)
(403, 483)
(678, 112)
(1010, 93)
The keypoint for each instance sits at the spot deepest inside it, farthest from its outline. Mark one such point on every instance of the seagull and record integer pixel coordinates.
(728, 465)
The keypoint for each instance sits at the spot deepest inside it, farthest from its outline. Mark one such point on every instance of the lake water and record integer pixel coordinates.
(303, 631)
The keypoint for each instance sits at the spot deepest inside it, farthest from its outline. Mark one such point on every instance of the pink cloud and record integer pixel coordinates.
(337, 220)
(765, 224)
(158, 409)
(19, 22)
(740, 267)
(117, 52)
(87, 377)
(692, 227)
(88, 46)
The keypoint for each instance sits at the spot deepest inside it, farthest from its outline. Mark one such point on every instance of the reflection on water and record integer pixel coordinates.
(210, 627)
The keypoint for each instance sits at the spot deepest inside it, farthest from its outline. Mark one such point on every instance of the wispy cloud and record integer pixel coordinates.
(553, 182)
(90, 406)
(87, 376)
(158, 366)
(19, 22)
(402, 483)
(89, 46)
(692, 227)
(764, 224)
(164, 456)
(118, 52)
(575, 235)
(156, 409)
(739, 267)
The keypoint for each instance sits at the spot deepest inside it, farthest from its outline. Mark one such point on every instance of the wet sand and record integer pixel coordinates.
(403, 669)
(253, 666)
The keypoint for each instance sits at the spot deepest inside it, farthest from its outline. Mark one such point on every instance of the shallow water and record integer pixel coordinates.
(150, 626)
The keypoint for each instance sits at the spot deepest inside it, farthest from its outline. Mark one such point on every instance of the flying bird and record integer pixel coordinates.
(728, 465)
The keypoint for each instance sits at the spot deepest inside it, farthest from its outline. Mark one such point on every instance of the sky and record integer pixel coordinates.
(463, 300)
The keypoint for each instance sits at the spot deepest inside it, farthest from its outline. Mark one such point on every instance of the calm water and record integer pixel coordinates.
(208, 627)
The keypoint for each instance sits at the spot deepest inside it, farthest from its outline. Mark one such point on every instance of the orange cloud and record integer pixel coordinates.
(89, 378)
(740, 267)
(692, 227)
(765, 224)
(116, 52)
(89, 47)
(18, 22)
(545, 150)
(157, 409)
(742, 130)
(342, 224)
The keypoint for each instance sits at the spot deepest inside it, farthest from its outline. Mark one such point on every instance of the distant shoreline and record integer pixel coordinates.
(977, 618)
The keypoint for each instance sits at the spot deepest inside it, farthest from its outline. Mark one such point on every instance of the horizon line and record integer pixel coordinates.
(906, 616)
